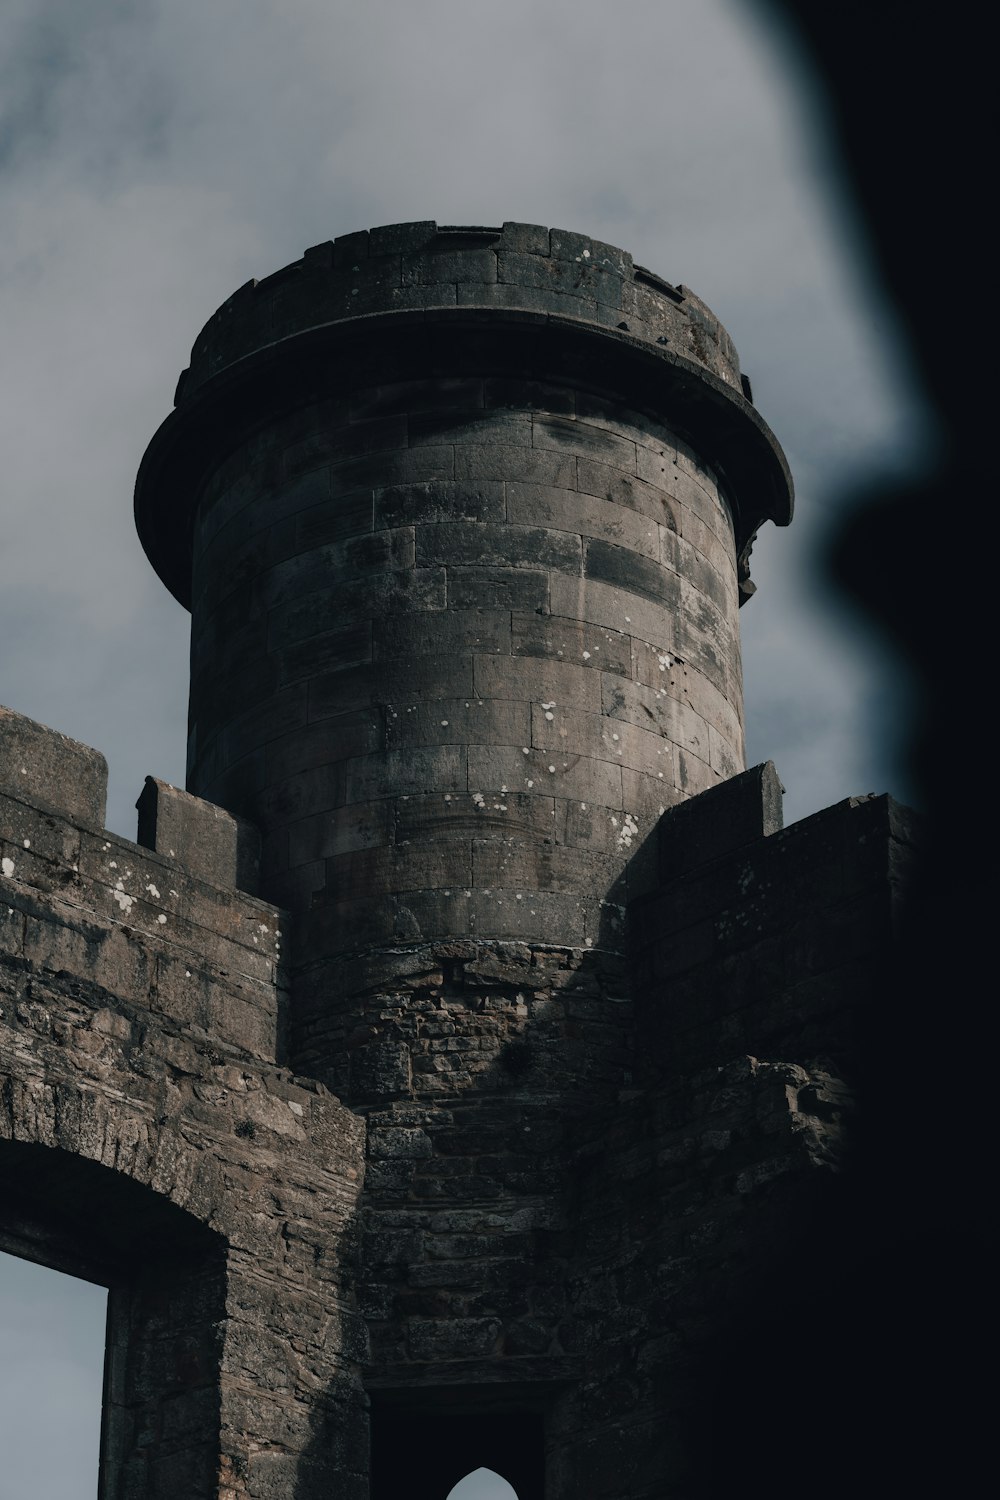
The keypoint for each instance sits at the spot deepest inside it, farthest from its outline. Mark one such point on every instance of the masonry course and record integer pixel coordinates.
(470, 1033)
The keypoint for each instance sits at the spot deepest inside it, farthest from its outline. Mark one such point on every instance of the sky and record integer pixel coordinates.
(156, 154)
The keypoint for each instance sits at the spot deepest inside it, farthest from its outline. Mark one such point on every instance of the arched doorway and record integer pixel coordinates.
(165, 1275)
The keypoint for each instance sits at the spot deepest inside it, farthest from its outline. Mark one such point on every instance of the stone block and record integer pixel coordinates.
(498, 588)
(607, 605)
(625, 488)
(409, 397)
(548, 773)
(363, 825)
(441, 501)
(560, 639)
(335, 520)
(596, 444)
(436, 633)
(529, 239)
(568, 245)
(471, 427)
(468, 544)
(512, 463)
(499, 815)
(526, 679)
(333, 445)
(41, 766)
(458, 721)
(590, 515)
(444, 265)
(738, 811)
(520, 394)
(401, 239)
(517, 296)
(440, 768)
(332, 650)
(390, 683)
(631, 571)
(208, 842)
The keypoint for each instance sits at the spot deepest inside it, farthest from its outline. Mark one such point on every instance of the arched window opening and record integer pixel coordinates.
(483, 1484)
(52, 1335)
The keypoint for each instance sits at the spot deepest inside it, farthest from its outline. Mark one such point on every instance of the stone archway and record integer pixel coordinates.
(165, 1274)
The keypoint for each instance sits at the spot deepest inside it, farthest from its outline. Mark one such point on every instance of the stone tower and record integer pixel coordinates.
(461, 517)
(465, 1169)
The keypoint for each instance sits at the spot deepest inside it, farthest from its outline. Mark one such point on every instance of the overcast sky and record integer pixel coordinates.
(154, 156)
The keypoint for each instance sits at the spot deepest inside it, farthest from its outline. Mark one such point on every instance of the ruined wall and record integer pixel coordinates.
(149, 1140)
(534, 1243)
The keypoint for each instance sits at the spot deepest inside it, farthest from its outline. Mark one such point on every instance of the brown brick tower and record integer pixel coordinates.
(454, 1132)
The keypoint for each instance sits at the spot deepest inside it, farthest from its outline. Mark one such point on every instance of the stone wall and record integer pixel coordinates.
(572, 1197)
(149, 1140)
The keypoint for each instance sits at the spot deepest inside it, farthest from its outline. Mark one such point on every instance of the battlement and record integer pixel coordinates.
(168, 924)
(407, 267)
(553, 310)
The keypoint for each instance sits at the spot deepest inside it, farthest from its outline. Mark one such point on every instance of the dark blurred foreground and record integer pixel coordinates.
(861, 1372)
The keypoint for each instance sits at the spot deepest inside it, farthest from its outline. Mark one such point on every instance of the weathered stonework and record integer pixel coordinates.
(470, 1041)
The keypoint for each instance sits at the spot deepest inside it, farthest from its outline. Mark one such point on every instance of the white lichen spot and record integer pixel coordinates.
(153, 892)
(518, 897)
(27, 843)
(264, 927)
(173, 893)
(589, 942)
(525, 750)
(552, 770)
(614, 736)
(7, 865)
(113, 865)
(187, 973)
(162, 918)
(105, 846)
(628, 831)
(444, 723)
(549, 705)
(586, 656)
(503, 789)
(586, 255)
(664, 661)
(447, 796)
(479, 799)
(530, 783)
(125, 901)
(550, 716)
(295, 1106)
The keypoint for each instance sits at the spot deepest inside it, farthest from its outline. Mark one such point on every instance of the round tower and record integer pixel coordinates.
(462, 518)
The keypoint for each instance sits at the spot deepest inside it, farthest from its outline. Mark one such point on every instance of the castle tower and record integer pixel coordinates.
(457, 1074)
(462, 518)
